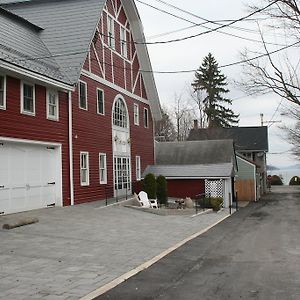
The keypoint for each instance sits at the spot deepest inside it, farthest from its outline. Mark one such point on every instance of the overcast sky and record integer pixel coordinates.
(188, 55)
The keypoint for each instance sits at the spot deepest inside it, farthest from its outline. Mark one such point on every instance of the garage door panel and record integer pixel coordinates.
(17, 159)
(30, 175)
(18, 199)
(5, 200)
(4, 165)
(48, 195)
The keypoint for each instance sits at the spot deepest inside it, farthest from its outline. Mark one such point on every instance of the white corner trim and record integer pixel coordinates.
(71, 148)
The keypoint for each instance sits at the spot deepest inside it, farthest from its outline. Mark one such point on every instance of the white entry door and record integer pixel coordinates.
(28, 177)
(122, 176)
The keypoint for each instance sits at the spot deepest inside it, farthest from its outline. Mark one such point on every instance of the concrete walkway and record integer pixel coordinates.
(74, 250)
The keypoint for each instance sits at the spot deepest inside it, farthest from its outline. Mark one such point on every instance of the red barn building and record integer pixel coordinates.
(76, 105)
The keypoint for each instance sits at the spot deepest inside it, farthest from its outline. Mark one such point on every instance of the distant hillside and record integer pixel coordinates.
(271, 168)
(293, 167)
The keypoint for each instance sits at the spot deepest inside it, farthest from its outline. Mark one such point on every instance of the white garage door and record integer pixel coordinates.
(28, 176)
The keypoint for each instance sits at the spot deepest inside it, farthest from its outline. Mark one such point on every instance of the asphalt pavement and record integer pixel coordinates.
(73, 251)
(255, 254)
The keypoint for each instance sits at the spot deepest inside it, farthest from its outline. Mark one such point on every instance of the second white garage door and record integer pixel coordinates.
(29, 176)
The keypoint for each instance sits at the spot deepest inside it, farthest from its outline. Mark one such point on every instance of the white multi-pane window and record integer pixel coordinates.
(120, 118)
(146, 118)
(123, 41)
(100, 102)
(110, 32)
(136, 114)
(84, 169)
(102, 168)
(2, 92)
(52, 105)
(138, 167)
(28, 99)
(82, 92)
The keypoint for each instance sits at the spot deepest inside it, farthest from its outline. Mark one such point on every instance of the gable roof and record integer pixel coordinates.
(195, 152)
(245, 138)
(67, 29)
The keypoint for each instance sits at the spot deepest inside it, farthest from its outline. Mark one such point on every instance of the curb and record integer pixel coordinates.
(105, 288)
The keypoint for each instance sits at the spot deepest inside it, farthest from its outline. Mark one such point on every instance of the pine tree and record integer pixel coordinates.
(209, 79)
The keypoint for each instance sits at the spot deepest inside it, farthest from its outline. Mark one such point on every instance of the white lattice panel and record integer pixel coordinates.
(214, 188)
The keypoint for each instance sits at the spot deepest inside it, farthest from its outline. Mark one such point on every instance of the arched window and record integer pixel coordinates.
(120, 114)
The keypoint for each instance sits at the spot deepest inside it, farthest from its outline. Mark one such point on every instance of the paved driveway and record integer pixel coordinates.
(75, 250)
(253, 255)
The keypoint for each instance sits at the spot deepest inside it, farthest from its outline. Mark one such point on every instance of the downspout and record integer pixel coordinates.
(71, 148)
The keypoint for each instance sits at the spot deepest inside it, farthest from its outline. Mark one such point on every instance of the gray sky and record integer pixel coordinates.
(188, 55)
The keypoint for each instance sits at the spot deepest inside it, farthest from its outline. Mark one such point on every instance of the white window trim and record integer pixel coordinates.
(113, 36)
(136, 118)
(87, 168)
(86, 95)
(4, 93)
(102, 114)
(50, 117)
(22, 99)
(138, 171)
(146, 125)
(105, 168)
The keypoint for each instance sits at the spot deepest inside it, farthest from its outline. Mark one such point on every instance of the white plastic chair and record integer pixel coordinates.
(143, 198)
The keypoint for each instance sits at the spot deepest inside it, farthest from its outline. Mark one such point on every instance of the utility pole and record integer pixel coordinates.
(262, 122)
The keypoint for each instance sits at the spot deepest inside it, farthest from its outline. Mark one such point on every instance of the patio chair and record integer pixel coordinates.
(151, 203)
(143, 198)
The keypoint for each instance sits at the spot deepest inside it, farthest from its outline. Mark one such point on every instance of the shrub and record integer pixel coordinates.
(216, 203)
(161, 189)
(295, 180)
(204, 203)
(276, 180)
(149, 185)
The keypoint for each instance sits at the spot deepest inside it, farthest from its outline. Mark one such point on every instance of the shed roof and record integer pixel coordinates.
(245, 138)
(221, 170)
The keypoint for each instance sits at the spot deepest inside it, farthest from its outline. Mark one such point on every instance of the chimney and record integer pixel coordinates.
(195, 124)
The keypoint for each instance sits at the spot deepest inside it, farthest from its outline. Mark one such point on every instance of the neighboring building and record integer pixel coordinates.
(250, 142)
(247, 180)
(76, 111)
(196, 167)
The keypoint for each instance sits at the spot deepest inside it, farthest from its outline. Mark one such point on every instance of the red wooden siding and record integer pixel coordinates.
(182, 188)
(38, 127)
(124, 72)
(93, 133)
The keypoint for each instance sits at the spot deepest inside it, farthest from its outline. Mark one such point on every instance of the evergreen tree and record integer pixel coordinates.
(209, 79)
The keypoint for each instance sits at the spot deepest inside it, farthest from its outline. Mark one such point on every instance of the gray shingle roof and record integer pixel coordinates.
(195, 152)
(245, 138)
(69, 27)
(192, 171)
(20, 42)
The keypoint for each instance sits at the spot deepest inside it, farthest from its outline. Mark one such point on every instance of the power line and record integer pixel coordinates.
(158, 72)
(209, 29)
